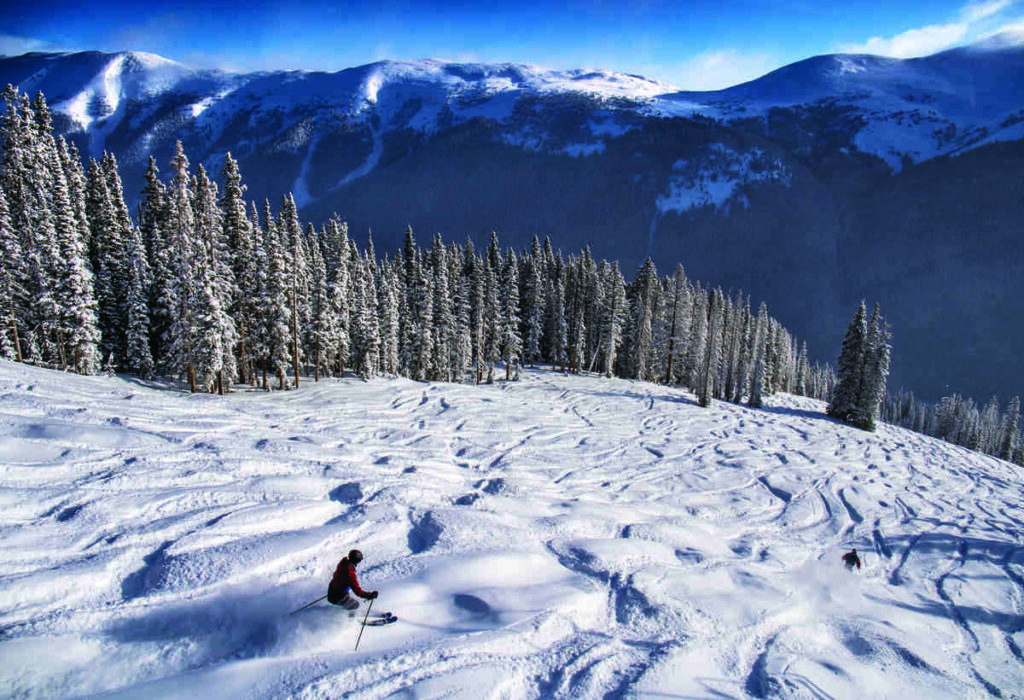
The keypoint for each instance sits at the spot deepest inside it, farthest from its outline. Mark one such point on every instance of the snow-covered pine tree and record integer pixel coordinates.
(1010, 432)
(339, 290)
(298, 277)
(182, 263)
(366, 338)
(698, 337)
(237, 235)
(612, 315)
(11, 262)
(756, 396)
(511, 342)
(443, 324)
(758, 352)
(388, 313)
(155, 230)
(782, 358)
(139, 358)
(641, 305)
(493, 327)
(877, 352)
(274, 303)
(75, 177)
(122, 221)
(746, 352)
(735, 341)
(533, 304)
(988, 437)
(574, 314)
(462, 353)
(678, 310)
(210, 231)
(78, 335)
(322, 317)
(713, 348)
(421, 322)
(27, 184)
(107, 250)
(559, 340)
(475, 279)
(846, 395)
(802, 371)
(589, 283)
(207, 315)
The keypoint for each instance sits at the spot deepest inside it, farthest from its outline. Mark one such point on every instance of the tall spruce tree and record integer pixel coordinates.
(183, 262)
(1010, 434)
(850, 365)
(511, 341)
(10, 285)
(877, 353)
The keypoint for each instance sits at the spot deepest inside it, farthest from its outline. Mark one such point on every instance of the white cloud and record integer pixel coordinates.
(972, 20)
(914, 42)
(716, 70)
(977, 11)
(17, 45)
(1015, 27)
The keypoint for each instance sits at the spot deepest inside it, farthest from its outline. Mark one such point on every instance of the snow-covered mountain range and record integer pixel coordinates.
(833, 179)
(557, 537)
(909, 108)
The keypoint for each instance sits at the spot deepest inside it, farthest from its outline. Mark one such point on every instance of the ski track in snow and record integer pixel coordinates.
(555, 537)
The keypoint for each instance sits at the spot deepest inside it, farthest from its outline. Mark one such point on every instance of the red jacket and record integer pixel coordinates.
(344, 579)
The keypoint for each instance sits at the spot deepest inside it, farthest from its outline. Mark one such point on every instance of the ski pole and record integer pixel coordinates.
(307, 605)
(365, 618)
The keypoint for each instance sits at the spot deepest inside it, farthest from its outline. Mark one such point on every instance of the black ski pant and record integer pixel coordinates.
(345, 600)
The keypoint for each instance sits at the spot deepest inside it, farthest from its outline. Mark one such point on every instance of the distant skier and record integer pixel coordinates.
(344, 581)
(851, 559)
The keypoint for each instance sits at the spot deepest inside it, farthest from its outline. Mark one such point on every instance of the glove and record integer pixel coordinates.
(372, 595)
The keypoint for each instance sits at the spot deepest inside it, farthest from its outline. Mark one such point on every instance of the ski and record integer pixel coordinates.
(381, 621)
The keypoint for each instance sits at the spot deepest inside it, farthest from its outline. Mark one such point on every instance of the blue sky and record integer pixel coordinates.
(699, 44)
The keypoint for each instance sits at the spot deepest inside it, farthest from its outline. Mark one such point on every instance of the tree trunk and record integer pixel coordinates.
(317, 366)
(242, 374)
(280, 378)
(263, 364)
(220, 382)
(295, 336)
(62, 353)
(191, 378)
(14, 332)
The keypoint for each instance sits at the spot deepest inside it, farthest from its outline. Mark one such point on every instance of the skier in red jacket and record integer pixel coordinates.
(344, 581)
(851, 559)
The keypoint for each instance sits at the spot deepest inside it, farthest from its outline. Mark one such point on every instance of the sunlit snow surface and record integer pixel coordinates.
(555, 537)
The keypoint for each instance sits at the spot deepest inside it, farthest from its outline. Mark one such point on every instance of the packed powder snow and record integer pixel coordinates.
(554, 537)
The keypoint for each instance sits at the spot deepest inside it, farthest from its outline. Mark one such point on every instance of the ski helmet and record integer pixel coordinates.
(355, 556)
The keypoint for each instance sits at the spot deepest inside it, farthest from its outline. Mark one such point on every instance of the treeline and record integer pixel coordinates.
(215, 290)
(962, 422)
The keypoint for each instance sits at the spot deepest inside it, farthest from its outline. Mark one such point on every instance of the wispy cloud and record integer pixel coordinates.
(923, 41)
(715, 70)
(977, 11)
(16, 45)
(913, 42)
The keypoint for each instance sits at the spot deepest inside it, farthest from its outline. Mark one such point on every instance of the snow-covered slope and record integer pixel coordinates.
(556, 537)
